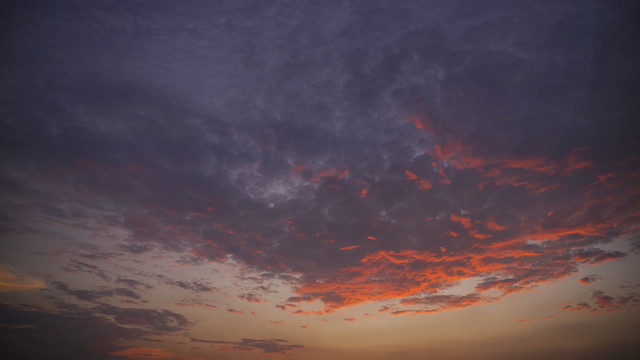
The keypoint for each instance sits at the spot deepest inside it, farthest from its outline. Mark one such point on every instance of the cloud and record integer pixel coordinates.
(588, 279)
(76, 266)
(154, 321)
(135, 249)
(597, 256)
(317, 161)
(132, 283)
(195, 303)
(386, 274)
(577, 307)
(610, 304)
(251, 297)
(421, 182)
(193, 285)
(606, 303)
(94, 295)
(465, 222)
(85, 336)
(270, 346)
(12, 280)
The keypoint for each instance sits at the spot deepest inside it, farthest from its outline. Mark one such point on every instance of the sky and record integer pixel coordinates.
(195, 180)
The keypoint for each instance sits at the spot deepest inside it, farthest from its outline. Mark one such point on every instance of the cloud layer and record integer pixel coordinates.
(358, 152)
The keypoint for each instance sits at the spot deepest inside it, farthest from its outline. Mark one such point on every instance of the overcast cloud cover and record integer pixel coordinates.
(418, 156)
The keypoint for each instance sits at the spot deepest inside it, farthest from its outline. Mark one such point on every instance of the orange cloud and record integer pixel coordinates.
(350, 247)
(410, 175)
(419, 123)
(144, 353)
(465, 222)
(491, 224)
(333, 172)
(532, 173)
(422, 183)
(502, 264)
(12, 280)
(478, 235)
(388, 274)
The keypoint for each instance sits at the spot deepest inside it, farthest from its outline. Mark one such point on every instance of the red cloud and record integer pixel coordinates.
(419, 123)
(508, 264)
(387, 274)
(491, 224)
(478, 235)
(465, 222)
(333, 172)
(532, 173)
(422, 183)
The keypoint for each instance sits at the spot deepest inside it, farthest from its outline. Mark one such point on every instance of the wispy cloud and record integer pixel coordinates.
(12, 280)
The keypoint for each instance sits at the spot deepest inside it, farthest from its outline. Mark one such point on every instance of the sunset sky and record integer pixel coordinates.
(195, 180)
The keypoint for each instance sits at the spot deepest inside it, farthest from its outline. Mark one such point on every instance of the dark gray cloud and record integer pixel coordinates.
(589, 279)
(76, 266)
(154, 321)
(597, 256)
(193, 285)
(603, 302)
(251, 297)
(29, 334)
(134, 284)
(94, 295)
(347, 142)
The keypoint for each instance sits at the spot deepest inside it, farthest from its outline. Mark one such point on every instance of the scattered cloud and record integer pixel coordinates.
(589, 279)
(605, 303)
(12, 280)
(270, 346)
